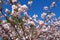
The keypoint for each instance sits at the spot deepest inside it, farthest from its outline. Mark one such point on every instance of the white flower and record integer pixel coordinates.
(44, 28)
(45, 8)
(30, 18)
(37, 26)
(26, 37)
(6, 10)
(19, 5)
(13, 12)
(11, 35)
(55, 19)
(34, 19)
(34, 16)
(40, 22)
(48, 16)
(57, 23)
(53, 14)
(29, 2)
(43, 15)
(6, 26)
(20, 10)
(32, 22)
(14, 7)
(53, 4)
(28, 21)
(24, 7)
(14, 1)
(5, 14)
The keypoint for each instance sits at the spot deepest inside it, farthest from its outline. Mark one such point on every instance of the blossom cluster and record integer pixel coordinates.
(17, 27)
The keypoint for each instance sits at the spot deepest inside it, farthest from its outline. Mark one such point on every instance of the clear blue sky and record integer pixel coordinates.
(37, 7)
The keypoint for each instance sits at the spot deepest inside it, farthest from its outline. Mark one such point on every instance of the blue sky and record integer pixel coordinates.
(37, 7)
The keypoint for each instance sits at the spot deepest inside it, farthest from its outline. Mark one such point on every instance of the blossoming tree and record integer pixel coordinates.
(17, 27)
